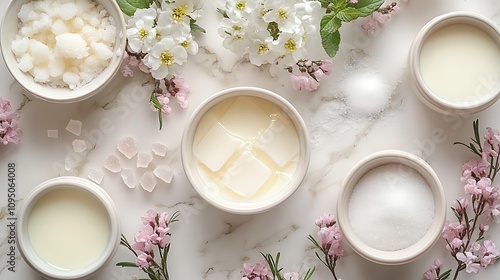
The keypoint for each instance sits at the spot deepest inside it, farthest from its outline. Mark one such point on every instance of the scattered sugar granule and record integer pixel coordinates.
(128, 147)
(148, 181)
(75, 127)
(96, 176)
(79, 145)
(366, 92)
(128, 177)
(164, 173)
(112, 163)
(391, 207)
(64, 43)
(144, 159)
(53, 133)
(159, 149)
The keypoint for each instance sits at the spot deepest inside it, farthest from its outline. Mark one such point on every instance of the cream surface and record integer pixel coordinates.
(68, 228)
(246, 146)
(460, 62)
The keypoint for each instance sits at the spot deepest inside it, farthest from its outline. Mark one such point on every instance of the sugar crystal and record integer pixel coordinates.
(79, 145)
(148, 181)
(144, 159)
(112, 163)
(159, 149)
(164, 173)
(128, 147)
(128, 177)
(96, 176)
(75, 127)
(391, 207)
(53, 133)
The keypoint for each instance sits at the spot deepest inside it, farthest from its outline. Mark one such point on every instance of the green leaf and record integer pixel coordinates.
(222, 12)
(274, 30)
(195, 27)
(367, 7)
(330, 23)
(126, 264)
(325, 3)
(348, 14)
(129, 7)
(330, 41)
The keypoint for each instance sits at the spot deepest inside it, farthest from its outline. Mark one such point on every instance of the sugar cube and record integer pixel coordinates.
(216, 147)
(246, 175)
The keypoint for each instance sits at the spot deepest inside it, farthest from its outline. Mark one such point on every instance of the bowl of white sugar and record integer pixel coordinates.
(63, 51)
(454, 63)
(245, 150)
(391, 207)
(68, 228)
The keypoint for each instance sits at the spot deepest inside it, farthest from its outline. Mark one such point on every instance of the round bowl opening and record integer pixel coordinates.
(463, 89)
(9, 29)
(409, 165)
(71, 214)
(238, 173)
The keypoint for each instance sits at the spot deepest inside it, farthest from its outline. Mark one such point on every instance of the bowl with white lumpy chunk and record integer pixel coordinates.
(63, 51)
(245, 150)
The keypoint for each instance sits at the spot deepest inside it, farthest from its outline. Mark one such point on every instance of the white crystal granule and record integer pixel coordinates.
(164, 173)
(112, 163)
(96, 175)
(64, 43)
(128, 147)
(128, 177)
(148, 181)
(144, 159)
(75, 127)
(79, 145)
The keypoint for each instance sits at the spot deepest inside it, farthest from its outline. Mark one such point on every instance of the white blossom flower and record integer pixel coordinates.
(187, 41)
(290, 45)
(235, 37)
(165, 58)
(141, 32)
(261, 51)
(237, 9)
(179, 11)
(283, 13)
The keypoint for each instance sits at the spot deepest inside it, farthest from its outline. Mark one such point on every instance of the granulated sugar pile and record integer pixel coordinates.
(62, 42)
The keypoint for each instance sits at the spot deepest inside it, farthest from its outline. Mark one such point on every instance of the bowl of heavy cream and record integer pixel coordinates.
(245, 150)
(68, 228)
(455, 63)
(63, 51)
(391, 207)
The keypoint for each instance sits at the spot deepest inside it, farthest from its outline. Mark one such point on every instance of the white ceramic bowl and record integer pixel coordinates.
(9, 30)
(209, 190)
(490, 92)
(30, 255)
(407, 254)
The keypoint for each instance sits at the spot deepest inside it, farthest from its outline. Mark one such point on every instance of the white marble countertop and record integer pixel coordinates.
(208, 243)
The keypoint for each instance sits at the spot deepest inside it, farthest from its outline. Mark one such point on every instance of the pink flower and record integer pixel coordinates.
(164, 100)
(474, 169)
(470, 260)
(149, 218)
(258, 271)
(143, 260)
(453, 230)
(433, 272)
(490, 253)
(326, 220)
(300, 82)
(454, 245)
(9, 129)
(326, 66)
(331, 241)
(180, 89)
(291, 276)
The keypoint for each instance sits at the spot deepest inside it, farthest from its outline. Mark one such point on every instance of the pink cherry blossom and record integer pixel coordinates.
(433, 272)
(326, 66)
(473, 169)
(325, 220)
(180, 89)
(143, 260)
(257, 271)
(470, 260)
(9, 128)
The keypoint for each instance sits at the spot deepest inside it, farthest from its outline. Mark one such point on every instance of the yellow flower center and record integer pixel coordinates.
(185, 44)
(166, 58)
(241, 5)
(282, 14)
(291, 45)
(143, 33)
(180, 12)
(263, 49)
(236, 28)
